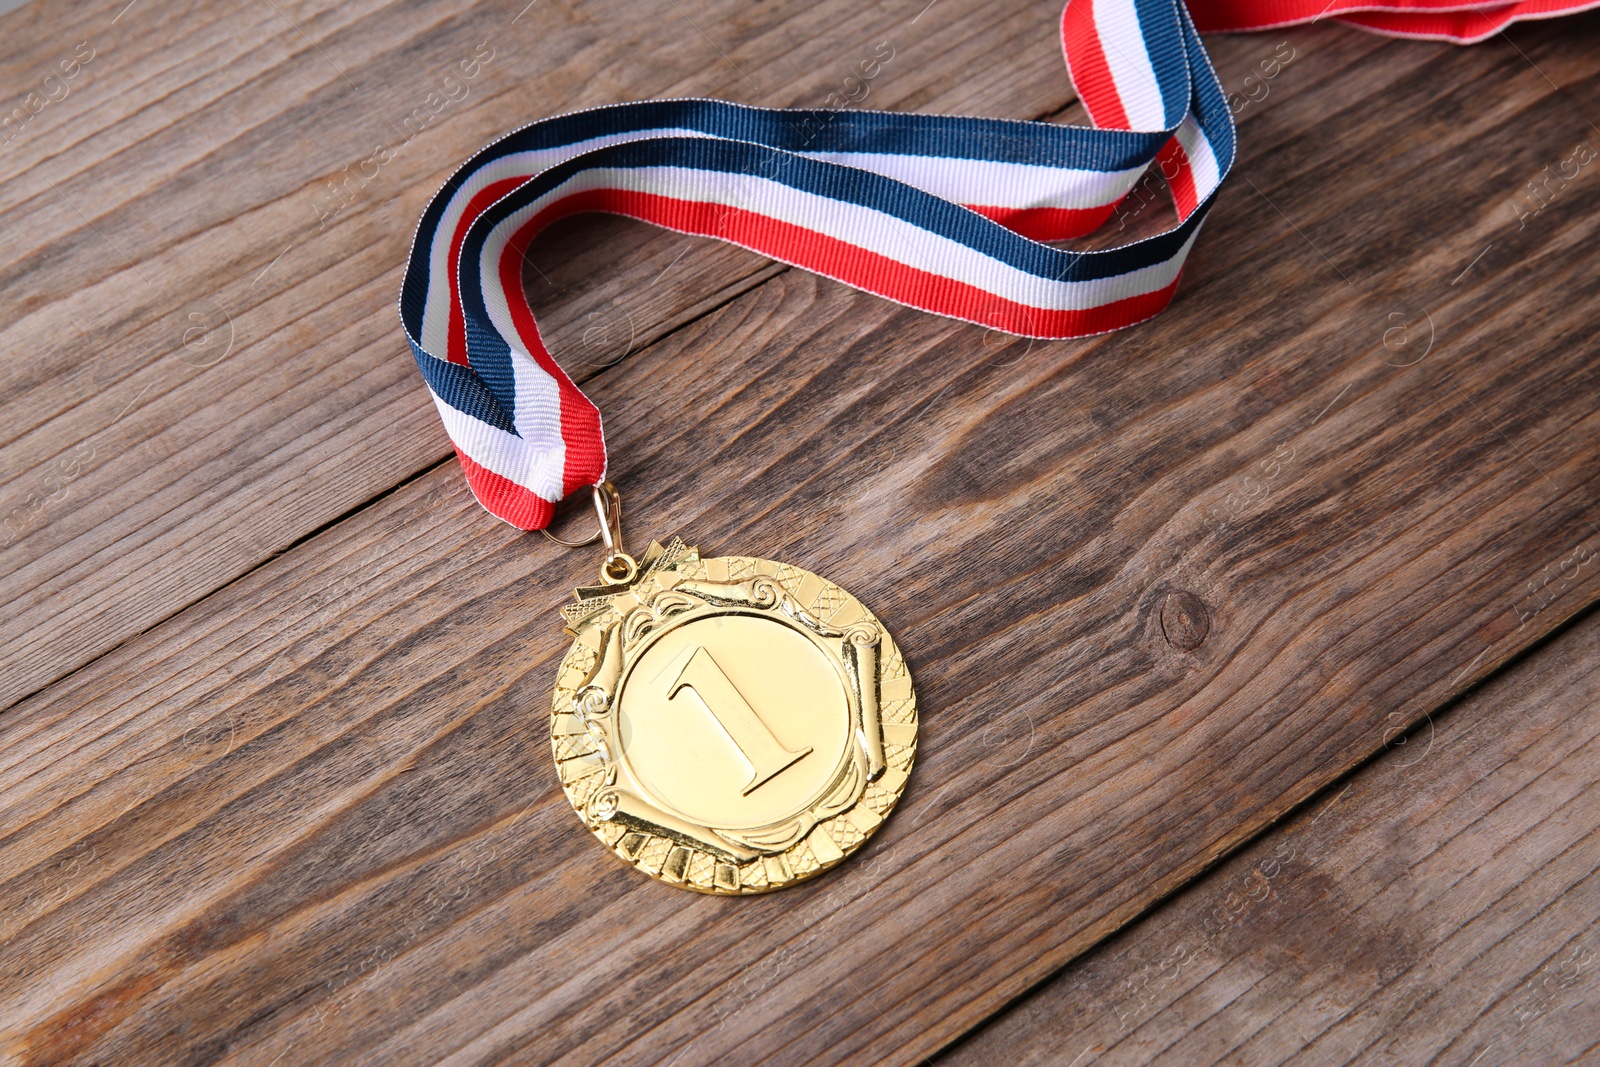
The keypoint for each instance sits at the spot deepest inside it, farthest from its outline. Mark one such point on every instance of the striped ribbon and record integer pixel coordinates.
(945, 214)
(1430, 20)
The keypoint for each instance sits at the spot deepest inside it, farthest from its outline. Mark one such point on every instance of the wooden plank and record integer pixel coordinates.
(214, 373)
(1442, 906)
(312, 816)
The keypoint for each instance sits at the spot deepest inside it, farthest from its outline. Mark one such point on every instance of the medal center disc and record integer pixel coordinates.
(734, 720)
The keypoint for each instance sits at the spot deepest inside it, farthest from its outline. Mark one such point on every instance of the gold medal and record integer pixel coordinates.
(729, 725)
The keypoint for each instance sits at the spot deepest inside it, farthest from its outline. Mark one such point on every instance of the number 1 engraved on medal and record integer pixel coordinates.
(703, 676)
(716, 733)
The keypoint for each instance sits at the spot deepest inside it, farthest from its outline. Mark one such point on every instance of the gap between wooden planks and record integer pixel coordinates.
(254, 839)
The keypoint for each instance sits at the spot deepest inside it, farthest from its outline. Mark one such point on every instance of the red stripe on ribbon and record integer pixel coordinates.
(1179, 176)
(1445, 20)
(1086, 62)
(1047, 223)
(580, 419)
(456, 331)
(520, 507)
(833, 258)
(1463, 27)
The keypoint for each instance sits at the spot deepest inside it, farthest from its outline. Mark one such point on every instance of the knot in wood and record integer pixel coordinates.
(1184, 620)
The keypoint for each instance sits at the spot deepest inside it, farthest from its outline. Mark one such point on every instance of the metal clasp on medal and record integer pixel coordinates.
(619, 568)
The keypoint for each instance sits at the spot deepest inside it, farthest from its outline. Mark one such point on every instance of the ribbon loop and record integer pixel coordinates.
(942, 213)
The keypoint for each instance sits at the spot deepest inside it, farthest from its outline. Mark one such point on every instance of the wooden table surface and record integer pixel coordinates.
(1257, 690)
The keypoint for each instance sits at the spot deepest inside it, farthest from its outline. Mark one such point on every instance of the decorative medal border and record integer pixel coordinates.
(675, 585)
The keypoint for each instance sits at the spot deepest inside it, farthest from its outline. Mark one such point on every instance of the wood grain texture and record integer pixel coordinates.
(310, 817)
(1442, 906)
(214, 369)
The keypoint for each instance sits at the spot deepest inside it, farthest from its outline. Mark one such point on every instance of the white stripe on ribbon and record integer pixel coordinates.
(988, 183)
(866, 228)
(1202, 159)
(536, 463)
(994, 184)
(1122, 41)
